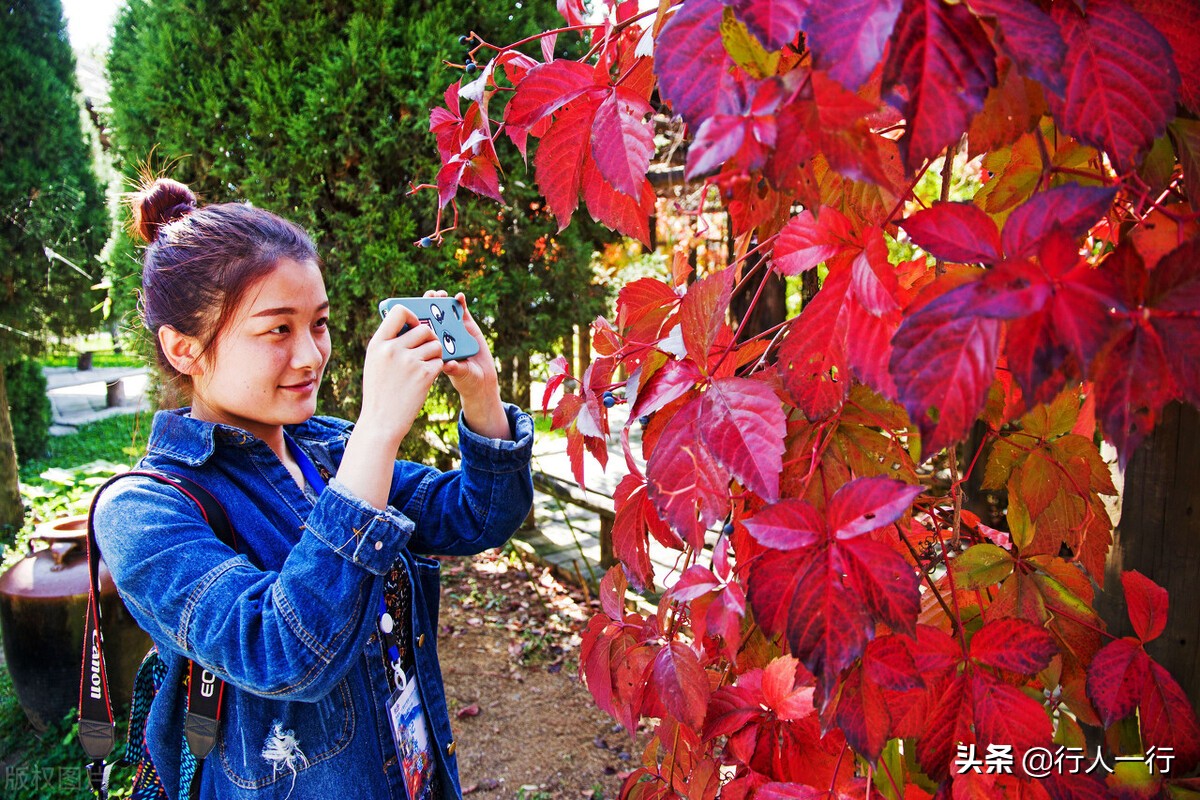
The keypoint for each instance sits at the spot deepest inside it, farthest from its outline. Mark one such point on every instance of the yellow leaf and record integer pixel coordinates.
(745, 49)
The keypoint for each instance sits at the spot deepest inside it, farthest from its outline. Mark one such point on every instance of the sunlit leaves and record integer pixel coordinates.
(1122, 83)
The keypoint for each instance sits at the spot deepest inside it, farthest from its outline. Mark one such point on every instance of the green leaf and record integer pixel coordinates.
(982, 565)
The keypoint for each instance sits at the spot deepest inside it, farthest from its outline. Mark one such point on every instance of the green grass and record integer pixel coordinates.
(541, 425)
(62, 483)
(98, 360)
(48, 766)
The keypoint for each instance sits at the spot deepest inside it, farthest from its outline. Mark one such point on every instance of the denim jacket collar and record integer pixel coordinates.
(192, 441)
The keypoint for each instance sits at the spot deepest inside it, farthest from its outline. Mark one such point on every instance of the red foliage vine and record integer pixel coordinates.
(853, 629)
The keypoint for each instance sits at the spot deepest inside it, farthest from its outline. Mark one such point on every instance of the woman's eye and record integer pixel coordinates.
(322, 323)
(279, 329)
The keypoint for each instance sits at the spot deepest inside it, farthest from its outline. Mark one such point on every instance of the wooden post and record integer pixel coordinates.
(114, 393)
(1159, 536)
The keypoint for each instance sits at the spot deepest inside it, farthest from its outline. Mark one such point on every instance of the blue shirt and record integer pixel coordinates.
(289, 621)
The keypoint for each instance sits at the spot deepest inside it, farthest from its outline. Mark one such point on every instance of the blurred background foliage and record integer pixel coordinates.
(319, 111)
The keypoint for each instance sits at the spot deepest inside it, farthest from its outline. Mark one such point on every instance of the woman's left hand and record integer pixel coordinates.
(476, 382)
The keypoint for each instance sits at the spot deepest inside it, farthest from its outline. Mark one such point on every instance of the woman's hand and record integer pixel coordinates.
(475, 381)
(398, 372)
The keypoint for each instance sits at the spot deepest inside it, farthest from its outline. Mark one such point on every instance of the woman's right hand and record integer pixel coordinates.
(398, 372)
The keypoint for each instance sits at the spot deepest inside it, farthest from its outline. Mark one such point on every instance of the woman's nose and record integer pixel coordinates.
(308, 353)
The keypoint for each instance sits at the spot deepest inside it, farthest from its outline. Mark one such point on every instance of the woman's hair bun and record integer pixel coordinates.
(158, 203)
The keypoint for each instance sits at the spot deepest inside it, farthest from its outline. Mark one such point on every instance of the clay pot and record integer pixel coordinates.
(43, 605)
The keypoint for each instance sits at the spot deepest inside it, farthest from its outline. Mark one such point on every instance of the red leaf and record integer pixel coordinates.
(547, 88)
(612, 594)
(863, 715)
(1147, 604)
(558, 163)
(782, 695)
(1116, 678)
(937, 75)
(1074, 209)
(1004, 715)
(1133, 374)
(959, 232)
(516, 65)
(807, 240)
(948, 724)
(865, 504)
(800, 594)
(479, 175)
(886, 583)
(1168, 721)
(1176, 20)
(681, 683)
(943, 362)
(468, 711)
(642, 307)
(674, 380)
(1174, 293)
(566, 411)
(742, 132)
(787, 525)
(774, 22)
(1029, 37)
(813, 360)
(847, 39)
(1059, 311)
(691, 59)
(702, 314)
(696, 581)
(621, 212)
(1122, 83)
(888, 662)
(572, 11)
(622, 143)
(559, 372)
(744, 429)
(636, 519)
(687, 485)
(1013, 644)
(789, 791)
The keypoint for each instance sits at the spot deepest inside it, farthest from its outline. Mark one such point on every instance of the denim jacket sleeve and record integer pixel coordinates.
(478, 506)
(287, 634)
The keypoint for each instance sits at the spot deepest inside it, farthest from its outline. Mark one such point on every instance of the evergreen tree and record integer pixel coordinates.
(319, 112)
(53, 220)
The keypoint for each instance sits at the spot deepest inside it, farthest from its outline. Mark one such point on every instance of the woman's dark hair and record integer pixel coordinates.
(200, 262)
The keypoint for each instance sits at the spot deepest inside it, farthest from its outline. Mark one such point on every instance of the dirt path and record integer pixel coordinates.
(525, 725)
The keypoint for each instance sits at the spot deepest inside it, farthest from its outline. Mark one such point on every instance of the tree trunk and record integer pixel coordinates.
(1159, 536)
(583, 350)
(771, 308)
(522, 393)
(12, 510)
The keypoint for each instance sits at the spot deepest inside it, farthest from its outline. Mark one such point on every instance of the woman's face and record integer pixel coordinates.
(266, 366)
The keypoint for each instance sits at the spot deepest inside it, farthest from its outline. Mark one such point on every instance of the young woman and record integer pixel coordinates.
(323, 624)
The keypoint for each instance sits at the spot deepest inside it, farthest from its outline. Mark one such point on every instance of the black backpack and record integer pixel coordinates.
(96, 726)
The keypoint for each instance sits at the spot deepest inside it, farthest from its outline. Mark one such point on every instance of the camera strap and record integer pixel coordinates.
(205, 690)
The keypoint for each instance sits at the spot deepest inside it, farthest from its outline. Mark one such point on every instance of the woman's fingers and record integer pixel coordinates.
(397, 317)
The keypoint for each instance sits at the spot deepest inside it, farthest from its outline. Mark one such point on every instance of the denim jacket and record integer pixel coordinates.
(289, 621)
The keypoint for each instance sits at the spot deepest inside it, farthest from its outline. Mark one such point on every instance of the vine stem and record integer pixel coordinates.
(928, 578)
(958, 624)
(837, 767)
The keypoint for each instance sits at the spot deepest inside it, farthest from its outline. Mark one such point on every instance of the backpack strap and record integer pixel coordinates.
(205, 690)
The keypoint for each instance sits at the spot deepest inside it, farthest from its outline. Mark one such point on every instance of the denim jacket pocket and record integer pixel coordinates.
(428, 573)
(264, 741)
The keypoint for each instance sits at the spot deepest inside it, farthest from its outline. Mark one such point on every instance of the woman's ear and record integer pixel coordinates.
(182, 351)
